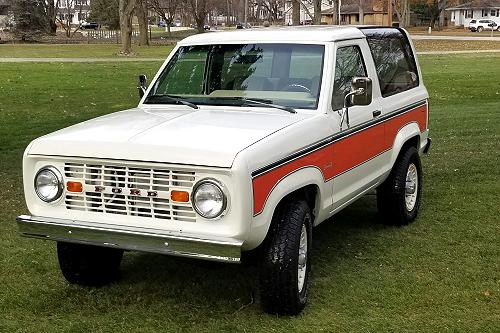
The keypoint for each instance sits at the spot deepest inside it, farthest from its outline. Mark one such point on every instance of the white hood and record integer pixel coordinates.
(183, 136)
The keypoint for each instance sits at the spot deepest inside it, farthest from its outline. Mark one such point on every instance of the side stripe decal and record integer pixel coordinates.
(355, 147)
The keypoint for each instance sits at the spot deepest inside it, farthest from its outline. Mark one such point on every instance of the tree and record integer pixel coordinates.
(167, 9)
(200, 12)
(431, 9)
(126, 9)
(51, 14)
(70, 7)
(402, 9)
(361, 12)
(141, 10)
(296, 12)
(30, 18)
(105, 12)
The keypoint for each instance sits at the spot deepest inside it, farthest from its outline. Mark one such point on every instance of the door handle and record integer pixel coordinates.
(376, 113)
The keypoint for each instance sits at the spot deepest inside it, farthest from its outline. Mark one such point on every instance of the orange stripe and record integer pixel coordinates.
(348, 153)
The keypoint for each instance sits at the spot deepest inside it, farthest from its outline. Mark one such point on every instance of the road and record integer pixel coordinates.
(495, 39)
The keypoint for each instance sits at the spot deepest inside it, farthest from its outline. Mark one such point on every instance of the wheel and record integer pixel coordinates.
(398, 198)
(88, 265)
(286, 261)
(479, 29)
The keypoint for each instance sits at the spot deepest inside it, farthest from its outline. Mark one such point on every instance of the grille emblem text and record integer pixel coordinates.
(116, 190)
(99, 189)
(152, 194)
(134, 191)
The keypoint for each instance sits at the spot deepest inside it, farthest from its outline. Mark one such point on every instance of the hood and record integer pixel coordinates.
(197, 137)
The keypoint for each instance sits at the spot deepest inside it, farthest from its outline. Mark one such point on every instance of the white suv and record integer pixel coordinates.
(480, 25)
(242, 144)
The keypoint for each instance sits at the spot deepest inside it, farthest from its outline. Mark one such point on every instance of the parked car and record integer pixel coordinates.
(242, 144)
(241, 25)
(162, 24)
(90, 25)
(480, 25)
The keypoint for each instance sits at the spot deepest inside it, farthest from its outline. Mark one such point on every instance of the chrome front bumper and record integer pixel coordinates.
(131, 238)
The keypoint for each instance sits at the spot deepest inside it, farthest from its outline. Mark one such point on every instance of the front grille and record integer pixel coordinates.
(129, 190)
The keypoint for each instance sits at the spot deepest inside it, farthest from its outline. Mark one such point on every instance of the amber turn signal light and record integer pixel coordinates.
(74, 187)
(179, 196)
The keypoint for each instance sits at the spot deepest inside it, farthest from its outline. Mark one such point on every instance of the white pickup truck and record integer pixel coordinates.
(243, 142)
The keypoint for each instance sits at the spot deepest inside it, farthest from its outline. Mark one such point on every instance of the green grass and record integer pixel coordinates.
(78, 51)
(440, 274)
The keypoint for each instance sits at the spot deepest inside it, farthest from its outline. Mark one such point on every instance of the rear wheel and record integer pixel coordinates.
(88, 265)
(286, 264)
(399, 197)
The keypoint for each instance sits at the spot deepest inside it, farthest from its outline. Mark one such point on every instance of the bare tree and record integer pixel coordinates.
(141, 11)
(167, 9)
(317, 12)
(200, 12)
(402, 9)
(126, 10)
(70, 9)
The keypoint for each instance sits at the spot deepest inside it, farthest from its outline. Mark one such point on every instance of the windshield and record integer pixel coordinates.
(287, 75)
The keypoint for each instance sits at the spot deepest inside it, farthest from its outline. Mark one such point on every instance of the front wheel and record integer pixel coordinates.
(399, 197)
(88, 265)
(479, 29)
(286, 264)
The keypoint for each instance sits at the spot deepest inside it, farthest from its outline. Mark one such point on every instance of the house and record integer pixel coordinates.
(481, 9)
(74, 11)
(374, 12)
(4, 13)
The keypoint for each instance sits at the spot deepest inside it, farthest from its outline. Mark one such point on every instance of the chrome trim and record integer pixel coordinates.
(60, 187)
(223, 189)
(131, 238)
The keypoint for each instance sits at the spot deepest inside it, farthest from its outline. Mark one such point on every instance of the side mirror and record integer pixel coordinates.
(143, 85)
(363, 86)
(361, 94)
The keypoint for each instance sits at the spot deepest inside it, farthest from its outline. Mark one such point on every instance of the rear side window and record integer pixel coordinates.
(394, 60)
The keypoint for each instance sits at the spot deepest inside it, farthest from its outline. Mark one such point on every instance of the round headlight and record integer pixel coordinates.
(49, 184)
(209, 199)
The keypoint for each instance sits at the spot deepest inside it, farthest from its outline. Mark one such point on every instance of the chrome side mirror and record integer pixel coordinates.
(364, 96)
(361, 94)
(143, 85)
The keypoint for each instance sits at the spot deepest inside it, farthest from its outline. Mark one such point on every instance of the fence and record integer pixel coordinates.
(107, 36)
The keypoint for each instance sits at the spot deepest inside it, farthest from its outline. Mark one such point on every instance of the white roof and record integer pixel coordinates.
(296, 34)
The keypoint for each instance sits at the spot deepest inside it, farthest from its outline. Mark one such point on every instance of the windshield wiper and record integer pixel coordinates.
(264, 102)
(172, 98)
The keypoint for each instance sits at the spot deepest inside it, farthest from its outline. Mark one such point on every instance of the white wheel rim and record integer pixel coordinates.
(302, 260)
(411, 187)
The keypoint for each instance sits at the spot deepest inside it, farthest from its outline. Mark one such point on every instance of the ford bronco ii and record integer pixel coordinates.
(243, 142)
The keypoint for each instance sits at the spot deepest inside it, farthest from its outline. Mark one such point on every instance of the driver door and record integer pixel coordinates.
(356, 159)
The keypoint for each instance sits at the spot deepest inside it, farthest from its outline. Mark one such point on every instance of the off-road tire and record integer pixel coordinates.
(88, 265)
(279, 278)
(391, 194)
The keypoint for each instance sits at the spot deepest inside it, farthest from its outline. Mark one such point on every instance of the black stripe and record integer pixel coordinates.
(336, 137)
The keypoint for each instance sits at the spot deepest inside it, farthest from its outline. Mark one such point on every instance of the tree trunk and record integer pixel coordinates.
(361, 13)
(335, 12)
(51, 13)
(317, 12)
(126, 9)
(295, 12)
(142, 17)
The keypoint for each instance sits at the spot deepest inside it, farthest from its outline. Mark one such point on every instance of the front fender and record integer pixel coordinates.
(290, 183)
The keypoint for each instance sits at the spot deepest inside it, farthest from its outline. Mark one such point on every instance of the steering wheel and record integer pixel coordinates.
(294, 87)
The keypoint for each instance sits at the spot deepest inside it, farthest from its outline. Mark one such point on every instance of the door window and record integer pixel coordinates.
(349, 64)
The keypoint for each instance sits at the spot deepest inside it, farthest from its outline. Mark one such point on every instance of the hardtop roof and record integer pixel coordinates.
(295, 34)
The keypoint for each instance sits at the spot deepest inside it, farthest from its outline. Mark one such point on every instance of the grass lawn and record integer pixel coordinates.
(440, 274)
(111, 50)
(78, 51)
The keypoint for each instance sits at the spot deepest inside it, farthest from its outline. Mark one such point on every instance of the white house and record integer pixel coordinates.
(4, 13)
(482, 9)
(76, 10)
